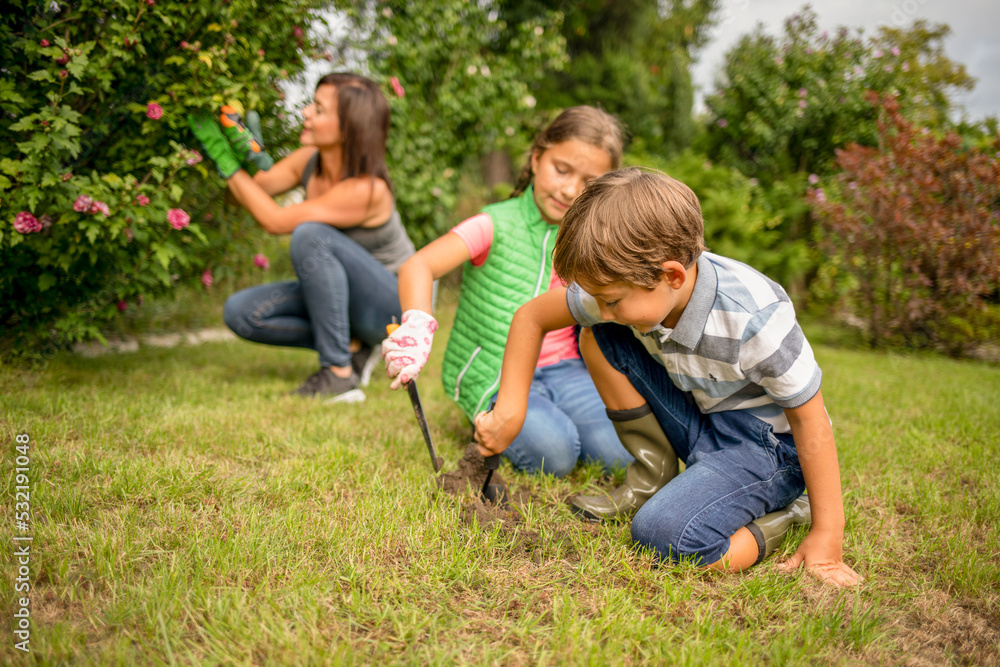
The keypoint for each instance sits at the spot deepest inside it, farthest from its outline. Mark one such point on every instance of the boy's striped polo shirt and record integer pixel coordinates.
(737, 345)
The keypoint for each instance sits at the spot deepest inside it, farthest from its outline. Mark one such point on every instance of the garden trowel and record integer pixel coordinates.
(418, 410)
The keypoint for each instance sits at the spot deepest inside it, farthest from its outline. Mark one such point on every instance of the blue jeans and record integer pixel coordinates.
(566, 422)
(737, 468)
(342, 292)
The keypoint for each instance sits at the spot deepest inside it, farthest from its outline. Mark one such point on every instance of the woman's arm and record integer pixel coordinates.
(418, 273)
(353, 202)
(822, 549)
(286, 174)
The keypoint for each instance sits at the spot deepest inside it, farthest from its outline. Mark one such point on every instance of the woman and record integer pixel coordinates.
(347, 240)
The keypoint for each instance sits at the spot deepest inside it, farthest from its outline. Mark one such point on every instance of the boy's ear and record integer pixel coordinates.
(674, 273)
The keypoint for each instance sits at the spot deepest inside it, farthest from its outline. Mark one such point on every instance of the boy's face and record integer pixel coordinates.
(630, 304)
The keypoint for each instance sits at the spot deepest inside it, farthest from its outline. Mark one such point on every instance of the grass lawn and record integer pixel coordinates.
(185, 510)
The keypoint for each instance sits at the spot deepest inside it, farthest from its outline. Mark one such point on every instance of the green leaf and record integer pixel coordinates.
(45, 281)
(42, 75)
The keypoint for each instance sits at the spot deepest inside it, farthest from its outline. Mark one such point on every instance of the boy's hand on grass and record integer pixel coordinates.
(823, 558)
(495, 431)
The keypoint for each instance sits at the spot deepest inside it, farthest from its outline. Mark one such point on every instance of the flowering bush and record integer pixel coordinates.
(916, 224)
(102, 199)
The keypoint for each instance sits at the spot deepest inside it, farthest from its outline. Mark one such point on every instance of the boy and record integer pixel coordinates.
(697, 356)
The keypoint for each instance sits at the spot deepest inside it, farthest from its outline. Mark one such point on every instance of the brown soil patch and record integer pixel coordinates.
(470, 475)
(467, 481)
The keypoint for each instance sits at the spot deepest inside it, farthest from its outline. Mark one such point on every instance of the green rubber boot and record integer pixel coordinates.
(770, 529)
(655, 464)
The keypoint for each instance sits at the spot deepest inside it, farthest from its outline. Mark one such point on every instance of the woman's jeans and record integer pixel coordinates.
(737, 468)
(566, 422)
(342, 292)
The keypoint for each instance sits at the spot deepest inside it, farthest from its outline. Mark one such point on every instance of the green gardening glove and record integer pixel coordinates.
(246, 139)
(209, 133)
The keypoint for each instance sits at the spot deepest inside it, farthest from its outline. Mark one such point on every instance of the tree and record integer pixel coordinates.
(632, 58)
(784, 106)
(461, 77)
(103, 199)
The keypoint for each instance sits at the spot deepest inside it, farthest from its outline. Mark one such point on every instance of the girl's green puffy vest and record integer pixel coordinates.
(519, 268)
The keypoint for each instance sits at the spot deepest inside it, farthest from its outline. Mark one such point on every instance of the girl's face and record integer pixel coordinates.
(561, 172)
(321, 127)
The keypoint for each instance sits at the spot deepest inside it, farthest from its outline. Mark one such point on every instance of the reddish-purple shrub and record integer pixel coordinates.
(916, 222)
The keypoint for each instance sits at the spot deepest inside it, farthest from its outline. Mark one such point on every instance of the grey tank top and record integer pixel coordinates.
(388, 242)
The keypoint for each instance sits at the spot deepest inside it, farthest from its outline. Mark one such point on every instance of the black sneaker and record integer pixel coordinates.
(364, 362)
(324, 384)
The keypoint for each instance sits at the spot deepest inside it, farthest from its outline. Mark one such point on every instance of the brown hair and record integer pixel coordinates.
(584, 123)
(363, 112)
(625, 225)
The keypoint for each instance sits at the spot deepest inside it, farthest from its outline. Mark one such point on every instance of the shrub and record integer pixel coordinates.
(737, 221)
(916, 223)
(785, 105)
(103, 200)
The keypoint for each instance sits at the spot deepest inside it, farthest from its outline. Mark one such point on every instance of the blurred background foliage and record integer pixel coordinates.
(476, 81)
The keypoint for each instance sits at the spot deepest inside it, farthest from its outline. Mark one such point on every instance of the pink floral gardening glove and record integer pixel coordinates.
(408, 347)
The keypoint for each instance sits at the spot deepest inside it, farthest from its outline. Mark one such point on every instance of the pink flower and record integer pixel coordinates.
(803, 92)
(803, 104)
(895, 50)
(878, 53)
(297, 31)
(121, 305)
(82, 204)
(100, 207)
(154, 111)
(177, 218)
(906, 67)
(195, 158)
(397, 87)
(813, 179)
(261, 261)
(25, 223)
(45, 42)
(206, 278)
(722, 122)
(142, 200)
(68, 175)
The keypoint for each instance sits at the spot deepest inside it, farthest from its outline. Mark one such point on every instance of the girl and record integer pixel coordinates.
(509, 250)
(347, 240)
